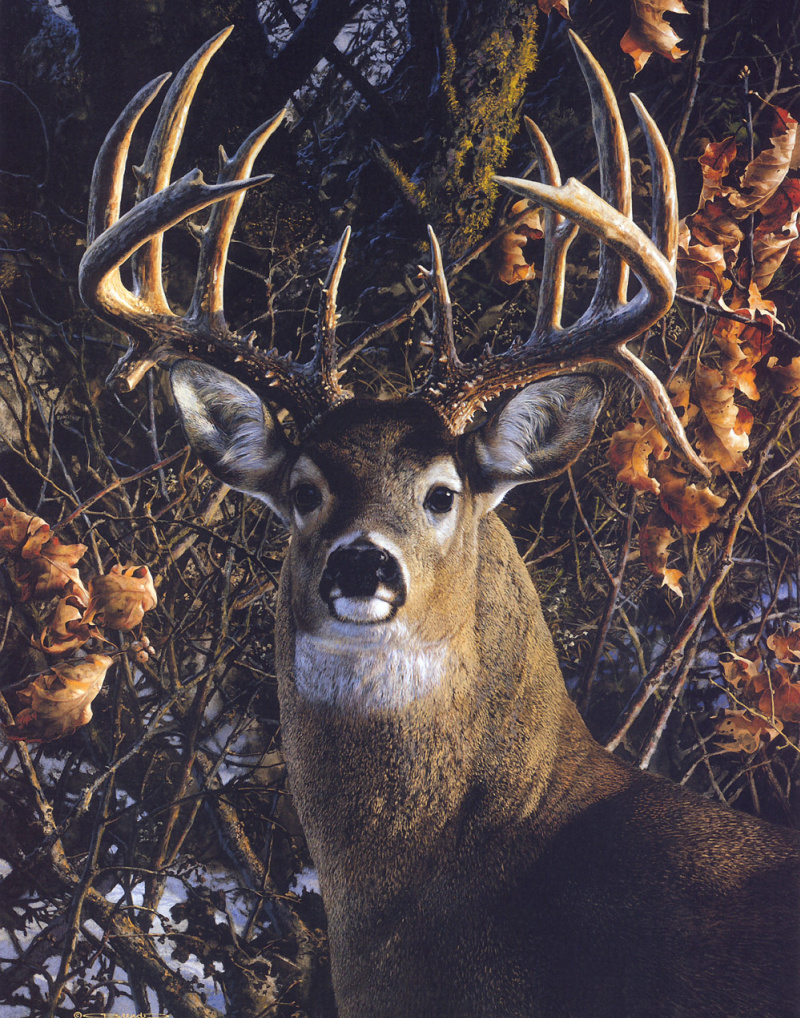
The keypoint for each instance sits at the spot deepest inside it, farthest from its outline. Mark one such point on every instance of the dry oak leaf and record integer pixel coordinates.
(653, 543)
(715, 163)
(39, 563)
(649, 33)
(786, 648)
(708, 244)
(59, 701)
(693, 508)
(629, 454)
(741, 670)
(785, 377)
(743, 732)
(763, 175)
(561, 6)
(777, 231)
(511, 265)
(66, 630)
(731, 423)
(121, 597)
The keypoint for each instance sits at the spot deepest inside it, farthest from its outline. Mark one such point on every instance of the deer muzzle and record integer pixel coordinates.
(362, 583)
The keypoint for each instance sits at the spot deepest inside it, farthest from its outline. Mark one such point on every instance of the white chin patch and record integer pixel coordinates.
(361, 609)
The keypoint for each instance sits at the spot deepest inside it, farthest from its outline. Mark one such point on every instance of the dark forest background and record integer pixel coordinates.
(149, 860)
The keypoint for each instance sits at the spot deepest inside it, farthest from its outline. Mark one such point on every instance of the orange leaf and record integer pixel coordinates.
(786, 648)
(653, 543)
(649, 33)
(693, 508)
(762, 177)
(776, 232)
(120, 598)
(66, 630)
(743, 732)
(511, 265)
(561, 6)
(708, 245)
(58, 702)
(39, 563)
(716, 162)
(629, 453)
(731, 424)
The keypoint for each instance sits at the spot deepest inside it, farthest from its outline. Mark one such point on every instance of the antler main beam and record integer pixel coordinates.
(610, 322)
(157, 334)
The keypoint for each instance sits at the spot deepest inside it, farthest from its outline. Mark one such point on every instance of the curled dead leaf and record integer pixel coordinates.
(629, 454)
(693, 508)
(121, 597)
(39, 563)
(511, 265)
(777, 231)
(654, 539)
(764, 174)
(58, 702)
(66, 630)
(786, 646)
(649, 33)
(742, 732)
(715, 163)
(560, 6)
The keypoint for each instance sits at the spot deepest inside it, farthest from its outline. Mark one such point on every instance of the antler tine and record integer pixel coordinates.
(154, 173)
(105, 193)
(321, 370)
(558, 235)
(615, 173)
(207, 299)
(444, 360)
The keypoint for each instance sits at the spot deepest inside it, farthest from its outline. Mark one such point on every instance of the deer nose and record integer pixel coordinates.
(357, 570)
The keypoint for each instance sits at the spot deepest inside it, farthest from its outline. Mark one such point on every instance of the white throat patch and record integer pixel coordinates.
(368, 672)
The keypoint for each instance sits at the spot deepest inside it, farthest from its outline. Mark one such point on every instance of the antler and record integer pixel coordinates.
(157, 334)
(601, 334)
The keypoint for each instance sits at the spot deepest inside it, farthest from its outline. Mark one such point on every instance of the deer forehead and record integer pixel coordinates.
(371, 445)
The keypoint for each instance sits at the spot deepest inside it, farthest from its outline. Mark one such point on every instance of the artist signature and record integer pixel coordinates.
(124, 1014)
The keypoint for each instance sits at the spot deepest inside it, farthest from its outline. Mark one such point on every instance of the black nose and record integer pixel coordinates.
(357, 570)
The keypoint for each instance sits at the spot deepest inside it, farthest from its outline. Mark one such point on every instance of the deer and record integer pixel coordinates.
(478, 852)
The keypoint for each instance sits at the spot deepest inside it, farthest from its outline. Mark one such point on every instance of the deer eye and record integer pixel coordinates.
(307, 497)
(440, 499)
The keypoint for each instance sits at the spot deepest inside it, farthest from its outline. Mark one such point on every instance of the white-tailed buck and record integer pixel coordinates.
(478, 853)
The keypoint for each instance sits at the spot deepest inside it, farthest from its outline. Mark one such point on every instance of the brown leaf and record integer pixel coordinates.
(511, 265)
(39, 563)
(743, 732)
(730, 423)
(785, 377)
(649, 33)
(58, 702)
(561, 6)
(66, 630)
(763, 176)
(653, 543)
(742, 670)
(786, 648)
(693, 508)
(120, 598)
(715, 163)
(629, 453)
(708, 245)
(776, 232)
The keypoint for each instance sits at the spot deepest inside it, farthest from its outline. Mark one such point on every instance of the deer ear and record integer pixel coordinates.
(536, 434)
(232, 431)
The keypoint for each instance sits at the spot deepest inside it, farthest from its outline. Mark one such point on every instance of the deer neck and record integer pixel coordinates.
(483, 736)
